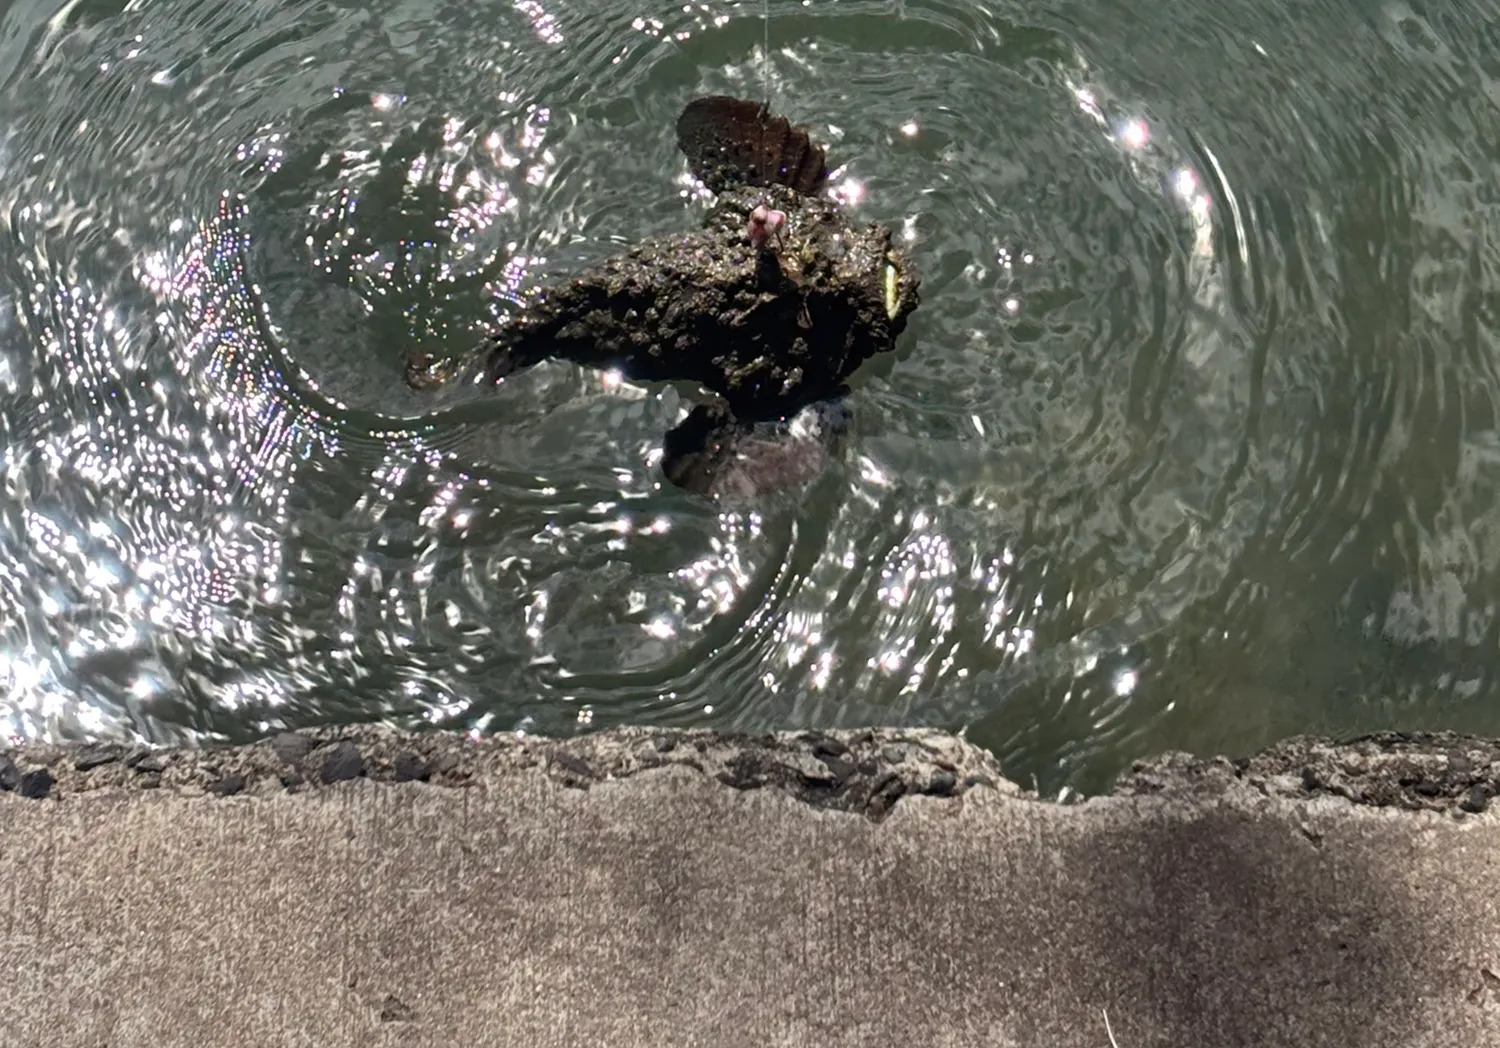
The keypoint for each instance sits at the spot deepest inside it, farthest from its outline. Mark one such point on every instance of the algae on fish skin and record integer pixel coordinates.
(763, 329)
(772, 306)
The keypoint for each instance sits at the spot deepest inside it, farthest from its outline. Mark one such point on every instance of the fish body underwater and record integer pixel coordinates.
(736, 460)
(771, 306)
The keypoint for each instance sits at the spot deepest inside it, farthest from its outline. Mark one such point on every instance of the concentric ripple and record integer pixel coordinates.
(1192, 443)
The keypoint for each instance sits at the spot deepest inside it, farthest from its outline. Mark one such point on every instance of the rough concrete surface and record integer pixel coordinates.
(639, 888)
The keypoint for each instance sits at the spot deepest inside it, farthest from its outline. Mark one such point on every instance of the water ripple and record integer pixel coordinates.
(1193, 442)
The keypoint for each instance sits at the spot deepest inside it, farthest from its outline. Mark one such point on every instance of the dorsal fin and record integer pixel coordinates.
(734, 141)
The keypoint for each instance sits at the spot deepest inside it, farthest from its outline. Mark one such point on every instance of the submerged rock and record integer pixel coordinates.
(771, 306)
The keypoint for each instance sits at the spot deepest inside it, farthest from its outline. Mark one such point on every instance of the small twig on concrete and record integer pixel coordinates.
(1109, 1030)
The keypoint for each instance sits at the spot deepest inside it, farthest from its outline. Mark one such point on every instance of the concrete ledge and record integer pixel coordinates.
(865, 772)
(630, 888)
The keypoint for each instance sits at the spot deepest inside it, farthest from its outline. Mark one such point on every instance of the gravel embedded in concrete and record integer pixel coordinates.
(858, 771)
(1417, 771)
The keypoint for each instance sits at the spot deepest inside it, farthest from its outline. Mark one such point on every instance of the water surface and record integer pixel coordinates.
(1192, 444)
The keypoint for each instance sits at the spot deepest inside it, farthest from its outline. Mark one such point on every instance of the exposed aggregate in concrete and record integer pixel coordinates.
(1416, 771)
(865, 772)
(856, 771)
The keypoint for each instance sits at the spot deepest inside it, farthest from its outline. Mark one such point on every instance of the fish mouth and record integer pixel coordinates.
(892, 286)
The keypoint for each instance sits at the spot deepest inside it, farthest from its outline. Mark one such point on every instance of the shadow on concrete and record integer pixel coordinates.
(1219, 927)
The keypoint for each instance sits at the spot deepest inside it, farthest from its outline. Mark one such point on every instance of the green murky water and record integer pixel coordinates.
(1193, 442)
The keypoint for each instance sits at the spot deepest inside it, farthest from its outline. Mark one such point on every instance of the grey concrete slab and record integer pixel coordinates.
(649, 888)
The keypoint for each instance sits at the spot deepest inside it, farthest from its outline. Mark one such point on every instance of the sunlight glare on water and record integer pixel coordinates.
(1191, 444)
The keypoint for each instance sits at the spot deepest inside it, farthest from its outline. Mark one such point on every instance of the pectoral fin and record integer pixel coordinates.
(734, 141)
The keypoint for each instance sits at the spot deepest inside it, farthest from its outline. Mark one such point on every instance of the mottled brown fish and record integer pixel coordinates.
(772, 305)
